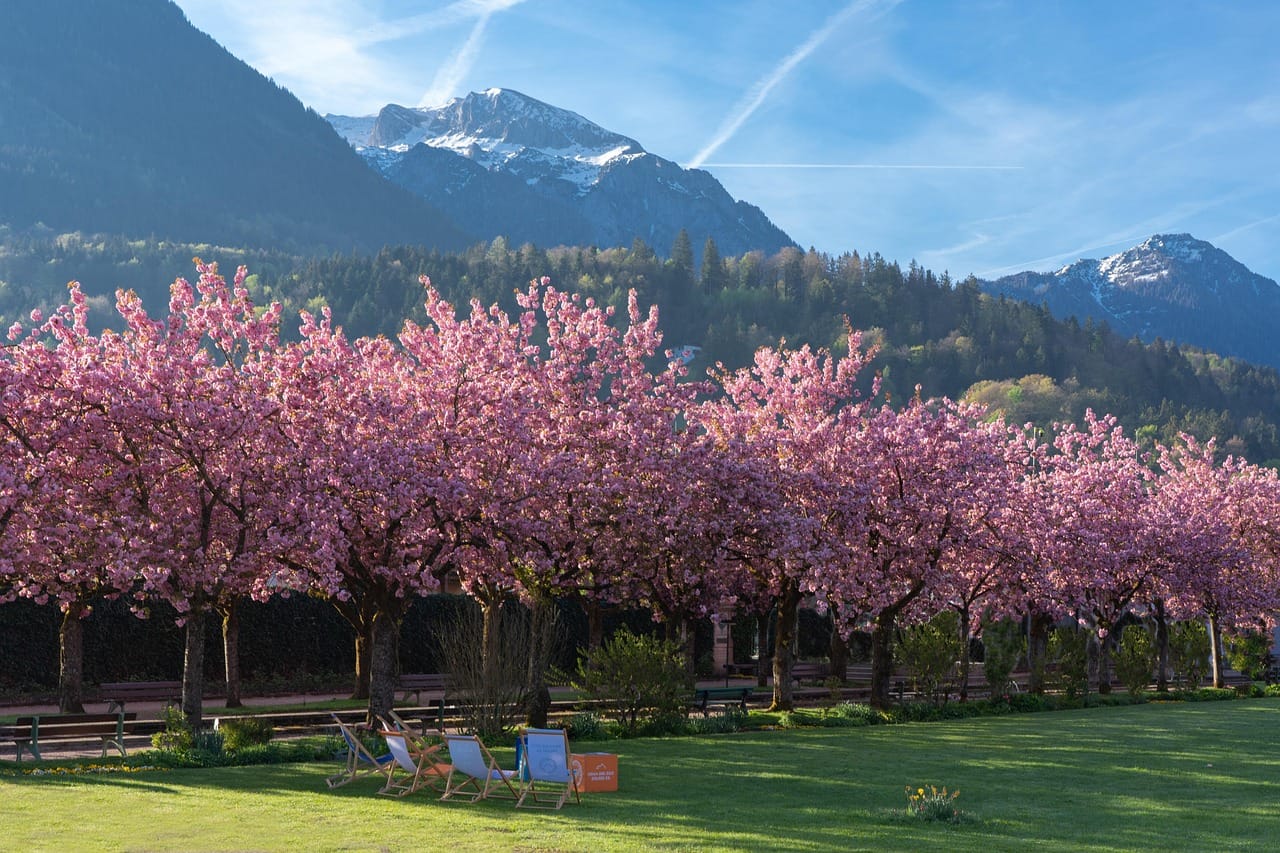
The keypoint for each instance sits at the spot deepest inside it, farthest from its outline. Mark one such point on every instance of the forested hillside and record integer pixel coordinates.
(946, 336)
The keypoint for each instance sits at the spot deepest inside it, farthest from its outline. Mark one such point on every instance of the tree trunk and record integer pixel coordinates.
(964, 653)
(839, 650)
(382, 666)
(784, 643)
(490, 644)
(762, 643)
(689, 637)
(1216, 654)
(231, 651)
(1037, 650)
(542, 619)
(1104, 664)
(595, 624)
(359, 613)
(71, 660)
(882, 658)
(193, 671)
(1162, 648)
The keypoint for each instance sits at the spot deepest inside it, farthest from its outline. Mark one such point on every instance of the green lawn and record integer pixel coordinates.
(1193, 776)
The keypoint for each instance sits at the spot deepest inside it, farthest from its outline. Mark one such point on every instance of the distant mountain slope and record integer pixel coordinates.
(118, 116)
(502, 163)
(1171, 286)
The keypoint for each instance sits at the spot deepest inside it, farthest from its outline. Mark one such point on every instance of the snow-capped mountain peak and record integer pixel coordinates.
(1171, 286)
(500, 129)
(503, 163)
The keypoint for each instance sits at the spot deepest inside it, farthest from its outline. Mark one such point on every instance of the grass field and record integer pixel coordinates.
(1186, 776)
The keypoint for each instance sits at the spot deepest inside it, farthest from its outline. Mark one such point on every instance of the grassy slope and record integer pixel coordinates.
(1191, 776)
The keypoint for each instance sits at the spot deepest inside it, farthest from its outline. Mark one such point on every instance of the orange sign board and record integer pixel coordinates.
(595, 771)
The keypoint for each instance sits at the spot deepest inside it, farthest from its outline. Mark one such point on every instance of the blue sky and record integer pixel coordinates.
(982, 136)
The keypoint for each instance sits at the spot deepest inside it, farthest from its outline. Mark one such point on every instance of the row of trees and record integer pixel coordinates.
(200, 459)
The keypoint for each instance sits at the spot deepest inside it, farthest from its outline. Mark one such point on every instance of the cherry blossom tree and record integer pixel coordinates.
(1101, 548)
(193, 402)
(794, 409)
(65, 467)
(934, 475)
(1218, 539)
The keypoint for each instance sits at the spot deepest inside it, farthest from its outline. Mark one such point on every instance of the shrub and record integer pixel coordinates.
(587, 725)
(1188, 653)
(634, 676)
(929, 652)
(181, 742)
(1002, 643)
(1250, 653)
(242, 732)
(1069, 649)
(1135, 659)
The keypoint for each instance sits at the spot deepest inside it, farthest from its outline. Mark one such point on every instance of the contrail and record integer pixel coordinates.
(445, 83)
(762, 88)
(1234, 231)
(451, 73)
(924, 166)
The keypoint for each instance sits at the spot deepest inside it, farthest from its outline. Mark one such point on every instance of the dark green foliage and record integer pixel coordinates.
(929, 651)
(635, 676)
(1188, 653)
(1069, 651)
(1135, 659)
(1250, 654)
(1003, 644)
(241, 733)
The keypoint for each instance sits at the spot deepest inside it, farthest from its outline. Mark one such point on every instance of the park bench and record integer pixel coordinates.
(703, 697)
(28, 732)
(809, 671)
(431, 683)
(118, 693)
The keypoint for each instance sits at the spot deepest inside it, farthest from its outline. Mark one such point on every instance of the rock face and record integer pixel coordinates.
(1171, 286)
(502, 163)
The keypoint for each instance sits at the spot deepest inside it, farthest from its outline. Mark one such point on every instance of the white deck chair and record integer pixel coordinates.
(420, 767)
(546, 771)
(474, 771)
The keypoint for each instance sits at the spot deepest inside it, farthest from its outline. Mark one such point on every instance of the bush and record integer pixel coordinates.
(1188, 653)
(1069, 649)
(929, 652)
(1003, 643)
(636, 676)
(242, 732)
(1250, 653)
(1135, 659)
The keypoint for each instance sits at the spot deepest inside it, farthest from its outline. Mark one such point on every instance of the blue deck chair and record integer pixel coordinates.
(475, 773)
(360, 761)
(546, 772)
(419, 766)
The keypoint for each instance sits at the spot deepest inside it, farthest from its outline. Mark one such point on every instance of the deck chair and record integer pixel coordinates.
(420, 738)
(546, 771)
(360, 761)
(419, 767)
(475, 773)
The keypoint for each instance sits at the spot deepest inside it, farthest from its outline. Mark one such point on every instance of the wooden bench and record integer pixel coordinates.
(120, 692)
(809, 671)
(28, 732)
(703, 697)
(431, 683)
